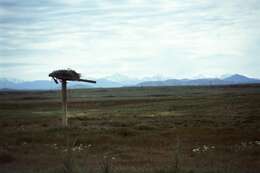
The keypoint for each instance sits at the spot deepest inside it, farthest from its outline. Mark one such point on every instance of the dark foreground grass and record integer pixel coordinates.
(157, 130)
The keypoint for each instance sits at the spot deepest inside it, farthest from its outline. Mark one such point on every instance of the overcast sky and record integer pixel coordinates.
(138, 38)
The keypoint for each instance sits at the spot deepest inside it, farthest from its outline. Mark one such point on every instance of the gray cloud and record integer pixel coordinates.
(173, 37)
(17, 65)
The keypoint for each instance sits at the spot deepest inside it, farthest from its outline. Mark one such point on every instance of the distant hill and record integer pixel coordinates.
(116, 81)
(36, 85)
(123, 80)
(6, 84)
(233, 79)
(237, 79)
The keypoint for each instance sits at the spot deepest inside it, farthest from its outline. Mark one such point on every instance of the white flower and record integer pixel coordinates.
(205, 148)
(195, 150)
(257, 142)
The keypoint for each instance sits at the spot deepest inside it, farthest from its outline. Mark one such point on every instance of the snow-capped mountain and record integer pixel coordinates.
(122, 79)
(230, 80)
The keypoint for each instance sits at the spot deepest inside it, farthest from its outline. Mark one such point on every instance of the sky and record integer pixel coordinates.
(137, 38)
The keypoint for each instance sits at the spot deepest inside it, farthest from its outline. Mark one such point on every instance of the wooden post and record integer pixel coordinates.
(63, 76)
(64, 102)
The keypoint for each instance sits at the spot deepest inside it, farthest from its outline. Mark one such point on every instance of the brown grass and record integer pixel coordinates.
(147, 130)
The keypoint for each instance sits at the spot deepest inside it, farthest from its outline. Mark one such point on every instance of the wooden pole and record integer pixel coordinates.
(64, 102)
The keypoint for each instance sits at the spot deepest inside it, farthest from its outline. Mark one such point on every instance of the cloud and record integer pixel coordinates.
(179, 38)
(15, 65)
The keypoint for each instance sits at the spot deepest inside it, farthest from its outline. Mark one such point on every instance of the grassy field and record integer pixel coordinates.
(155, 130)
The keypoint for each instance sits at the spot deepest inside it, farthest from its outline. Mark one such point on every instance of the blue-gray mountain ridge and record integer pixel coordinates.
(230, 80)
(121, 81)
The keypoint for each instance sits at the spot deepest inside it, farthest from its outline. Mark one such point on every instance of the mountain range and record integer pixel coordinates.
(229, 80)
(118, 80)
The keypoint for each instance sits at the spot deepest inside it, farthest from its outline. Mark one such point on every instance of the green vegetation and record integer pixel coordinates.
(155, 130)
